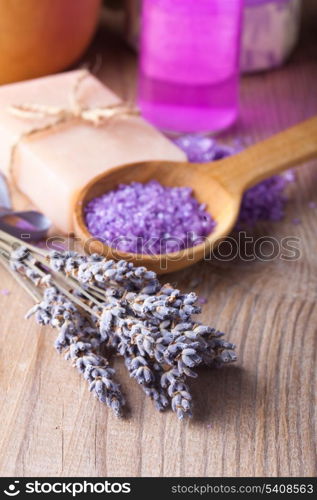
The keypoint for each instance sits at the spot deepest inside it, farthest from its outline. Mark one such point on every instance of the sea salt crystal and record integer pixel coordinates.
(148, 218)
(202, 149)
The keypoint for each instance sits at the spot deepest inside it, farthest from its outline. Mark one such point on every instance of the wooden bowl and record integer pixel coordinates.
(43, 37)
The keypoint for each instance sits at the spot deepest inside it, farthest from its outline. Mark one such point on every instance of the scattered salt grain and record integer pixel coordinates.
(265, 201)
(202, 149)
(296, 221)
(289, 176)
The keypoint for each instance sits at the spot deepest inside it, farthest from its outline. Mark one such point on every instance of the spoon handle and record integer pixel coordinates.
(269, 157)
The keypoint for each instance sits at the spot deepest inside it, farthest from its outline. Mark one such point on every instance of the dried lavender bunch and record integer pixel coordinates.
(152, 327)
(125, 308)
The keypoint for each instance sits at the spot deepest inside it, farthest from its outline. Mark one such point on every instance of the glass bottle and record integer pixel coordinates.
(189, 64)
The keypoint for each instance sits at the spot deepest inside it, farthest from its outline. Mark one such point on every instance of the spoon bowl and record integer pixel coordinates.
(220, 185)
(220, 204)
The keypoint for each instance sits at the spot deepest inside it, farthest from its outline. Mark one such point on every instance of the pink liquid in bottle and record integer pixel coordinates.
(189, 64)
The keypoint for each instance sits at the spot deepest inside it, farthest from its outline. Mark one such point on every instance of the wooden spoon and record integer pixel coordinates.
(220, 185)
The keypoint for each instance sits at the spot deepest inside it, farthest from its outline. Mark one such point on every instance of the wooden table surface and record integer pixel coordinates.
(256, 418)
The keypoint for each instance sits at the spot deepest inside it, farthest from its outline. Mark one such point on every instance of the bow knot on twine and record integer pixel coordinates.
(77, 111)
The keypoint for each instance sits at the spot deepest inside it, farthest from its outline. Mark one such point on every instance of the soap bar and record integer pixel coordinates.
(51, 167)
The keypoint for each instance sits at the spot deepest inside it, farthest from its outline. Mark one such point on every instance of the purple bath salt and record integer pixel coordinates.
(265, 201)
(148, 218)
(296, 220)
(203, 149)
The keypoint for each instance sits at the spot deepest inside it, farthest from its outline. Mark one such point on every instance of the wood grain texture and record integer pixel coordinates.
(252, 419)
